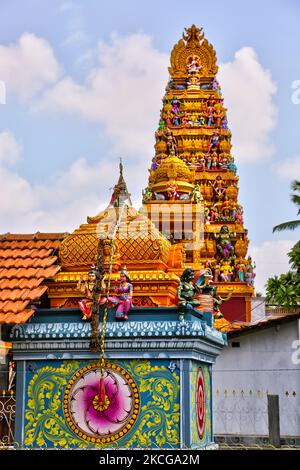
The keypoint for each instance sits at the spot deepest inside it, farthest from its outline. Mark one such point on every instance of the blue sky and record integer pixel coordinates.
(64, 128)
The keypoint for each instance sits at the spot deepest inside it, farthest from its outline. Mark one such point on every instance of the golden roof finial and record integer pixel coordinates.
(193, 34)
(193, 44)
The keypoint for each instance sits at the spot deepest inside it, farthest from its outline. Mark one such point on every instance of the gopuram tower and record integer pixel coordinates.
(193, 172)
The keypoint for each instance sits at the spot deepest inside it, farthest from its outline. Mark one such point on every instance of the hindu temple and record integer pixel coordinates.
(114, 328)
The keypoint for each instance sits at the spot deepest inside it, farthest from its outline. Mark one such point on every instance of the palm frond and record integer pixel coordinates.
(291, 225)
(295, 199)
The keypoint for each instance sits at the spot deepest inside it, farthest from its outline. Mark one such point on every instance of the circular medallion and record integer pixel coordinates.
(200, 403)
(95, 421)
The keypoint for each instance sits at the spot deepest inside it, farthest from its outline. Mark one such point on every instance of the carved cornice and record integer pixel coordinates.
(134, 330)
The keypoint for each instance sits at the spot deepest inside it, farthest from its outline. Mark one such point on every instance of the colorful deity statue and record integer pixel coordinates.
(210, 115)
(226, 271)
(249, 273)
(87, 288)
(205, 288)
(240, 267)
(218, 118)
(216, 86)
(172, 192)
(207, 215)
(184, 120)
(214, 142)
(169, 119)
(171, 143)
(210, 101)
(193, 82)
(122, 299)
(194, 66)
(176, 121)
(239, 215)
(232, 166)
(224, 162)
(196, 194)
(213, 213)
(159, 196)
(147, 194)
(201, 120)
(186, 292)
(175, 105)
(219, 188)
(208, 162)
(214, 162)
(162, 124)
(217, 272)
(201, 164)
(224, 123)
(224, 243)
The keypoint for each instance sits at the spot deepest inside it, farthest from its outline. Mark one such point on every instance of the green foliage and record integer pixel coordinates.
(284, 290)
(292, 224)
(294, 256)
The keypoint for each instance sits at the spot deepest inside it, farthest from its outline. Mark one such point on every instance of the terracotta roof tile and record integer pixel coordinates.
(23, 294)
(21, 273)
(26, 261)
(24, 253)
(20, 262)
(20, 317)
(19, 283)
(15, 307)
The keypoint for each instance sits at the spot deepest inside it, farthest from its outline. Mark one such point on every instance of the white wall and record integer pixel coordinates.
(262, 364)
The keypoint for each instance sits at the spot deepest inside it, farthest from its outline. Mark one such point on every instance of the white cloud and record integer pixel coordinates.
(28, 65)
(63, 203)
(271, 259)
(289, 168)
(10, 150)
(248, 91)
(123, 92)
(124, 89)
(16, 199)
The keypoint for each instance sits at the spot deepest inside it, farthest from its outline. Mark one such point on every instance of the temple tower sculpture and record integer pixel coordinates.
(194, 167)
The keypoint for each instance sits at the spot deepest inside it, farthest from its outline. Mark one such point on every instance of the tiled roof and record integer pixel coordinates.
(233, 328)
(26, 261)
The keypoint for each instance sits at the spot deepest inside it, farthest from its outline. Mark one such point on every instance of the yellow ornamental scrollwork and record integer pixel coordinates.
(193, 44)
(158, 421)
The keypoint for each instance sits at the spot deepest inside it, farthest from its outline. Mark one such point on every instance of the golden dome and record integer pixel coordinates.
(172, 168)
(138, 244)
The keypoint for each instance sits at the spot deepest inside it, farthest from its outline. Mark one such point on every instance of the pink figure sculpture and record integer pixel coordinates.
(123, 297)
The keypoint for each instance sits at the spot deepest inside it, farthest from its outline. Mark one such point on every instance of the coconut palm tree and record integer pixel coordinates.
(292, 224)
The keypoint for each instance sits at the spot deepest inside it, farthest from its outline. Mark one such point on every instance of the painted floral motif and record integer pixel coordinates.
(197, 410)
(200, 402)
(156, 426)
(99, 422)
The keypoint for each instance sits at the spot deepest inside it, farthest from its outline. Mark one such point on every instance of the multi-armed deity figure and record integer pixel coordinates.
(195, 290)
(224, 243)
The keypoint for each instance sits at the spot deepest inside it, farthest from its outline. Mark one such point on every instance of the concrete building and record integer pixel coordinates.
(261, 359)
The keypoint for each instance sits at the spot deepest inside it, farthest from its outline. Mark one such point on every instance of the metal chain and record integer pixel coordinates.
(105, 313)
